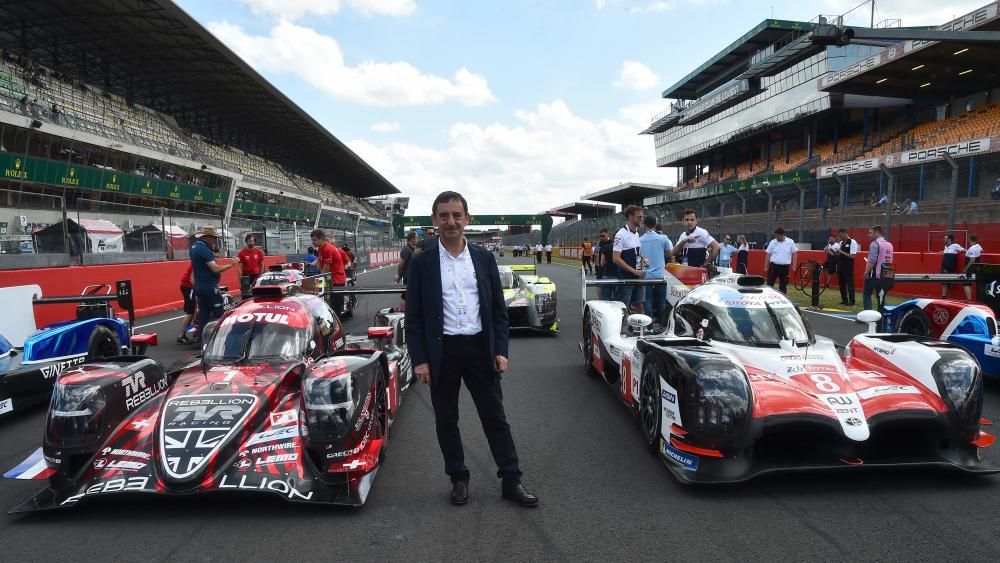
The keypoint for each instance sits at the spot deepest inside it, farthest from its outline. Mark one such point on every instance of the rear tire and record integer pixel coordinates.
(588, 346)
(914, 321)
(650, 411)
(104, 343)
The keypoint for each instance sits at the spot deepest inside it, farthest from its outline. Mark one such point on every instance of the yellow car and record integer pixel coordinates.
(531, 299)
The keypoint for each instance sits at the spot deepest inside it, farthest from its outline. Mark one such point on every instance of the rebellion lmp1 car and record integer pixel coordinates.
(27, 376)
(737, 385)
(279, 403)
(531, 299)
(970, 325)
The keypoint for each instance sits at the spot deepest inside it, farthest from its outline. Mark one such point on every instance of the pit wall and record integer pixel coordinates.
(906, 263)
(155, 285)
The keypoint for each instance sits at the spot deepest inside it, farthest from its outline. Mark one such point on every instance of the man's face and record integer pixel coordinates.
(844, 237)
(690, 221)
(635, 218)
(451, 219)
(780, 237)
(832, 240)
(604, 237)
(251, 242)
(947, 241)
(726, 240)
(871, 234)
(430, 232)
(317, 242)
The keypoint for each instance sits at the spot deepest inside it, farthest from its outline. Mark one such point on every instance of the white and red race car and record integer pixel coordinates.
(738, 385)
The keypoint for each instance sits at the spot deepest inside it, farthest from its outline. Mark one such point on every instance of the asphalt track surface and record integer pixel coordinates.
(603, 496)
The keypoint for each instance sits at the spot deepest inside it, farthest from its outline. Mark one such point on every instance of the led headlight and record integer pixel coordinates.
(960, 384)
(76, 413)
(722, 399)
(330, 403)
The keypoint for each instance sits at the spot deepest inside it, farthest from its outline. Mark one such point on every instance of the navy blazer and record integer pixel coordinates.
(425, 306)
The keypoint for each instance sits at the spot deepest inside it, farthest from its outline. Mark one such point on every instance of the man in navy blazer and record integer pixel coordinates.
(456, 330)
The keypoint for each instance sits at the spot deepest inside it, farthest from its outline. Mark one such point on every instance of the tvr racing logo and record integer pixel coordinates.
(137, 391)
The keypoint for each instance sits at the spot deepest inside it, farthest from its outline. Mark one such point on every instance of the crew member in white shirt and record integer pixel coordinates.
(695, 247)
(949, 261)
(538, 253)
(972, 256)
(548, 253)
(627, 256)
(779, 257)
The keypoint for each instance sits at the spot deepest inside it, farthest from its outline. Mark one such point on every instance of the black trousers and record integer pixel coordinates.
(465, 358)
(336, 301)
(548, 257)
(779, 272)
(845, 277)
(538, 256)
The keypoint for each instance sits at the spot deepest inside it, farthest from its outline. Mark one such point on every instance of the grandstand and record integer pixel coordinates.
(136, 132)
(778, 130)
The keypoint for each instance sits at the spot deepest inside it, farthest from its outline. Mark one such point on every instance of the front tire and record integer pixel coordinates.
(650, 411)
(914, 321)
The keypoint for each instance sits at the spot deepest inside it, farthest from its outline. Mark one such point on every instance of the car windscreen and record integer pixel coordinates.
(507, 280)
(256, 342)
(757, 325)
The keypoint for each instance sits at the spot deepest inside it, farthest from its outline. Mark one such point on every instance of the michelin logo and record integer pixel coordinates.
(686, 461)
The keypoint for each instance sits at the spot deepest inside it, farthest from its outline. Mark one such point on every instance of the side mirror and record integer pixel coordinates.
(871, 318)
(639, 321)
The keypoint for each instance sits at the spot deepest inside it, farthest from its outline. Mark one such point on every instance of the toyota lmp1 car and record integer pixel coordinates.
(531, 299)
(970, 325)
(737, 385)
(281, 402)
(27, 375)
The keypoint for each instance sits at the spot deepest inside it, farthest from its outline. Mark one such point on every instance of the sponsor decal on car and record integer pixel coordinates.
(137, 391)
(888, 390)
(271, 459)
(847, 408)
(271, 448)
(669, 409)
(687, 461)
(990, 350)
(121, 485)
(276, 318)
(262, 483)
(57, 369)
(283, 433)
(126, 453)
(941, 316)
(7, 405)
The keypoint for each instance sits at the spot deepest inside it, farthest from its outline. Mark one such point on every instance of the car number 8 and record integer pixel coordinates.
(824, 383)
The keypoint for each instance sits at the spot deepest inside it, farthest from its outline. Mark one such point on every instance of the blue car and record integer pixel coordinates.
(972, 326)
(27, 375)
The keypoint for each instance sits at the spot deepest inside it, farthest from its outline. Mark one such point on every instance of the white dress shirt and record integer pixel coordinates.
(459, 292)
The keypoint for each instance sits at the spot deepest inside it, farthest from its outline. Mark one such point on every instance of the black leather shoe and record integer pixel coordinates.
(459, 492)
(520, 495)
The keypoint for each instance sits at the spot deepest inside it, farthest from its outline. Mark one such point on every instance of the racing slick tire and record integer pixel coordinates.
(104, 343)
(650, 412)
(588, 346)
(914, 321)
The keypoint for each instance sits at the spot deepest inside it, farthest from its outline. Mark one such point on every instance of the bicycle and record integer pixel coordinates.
(804, 277)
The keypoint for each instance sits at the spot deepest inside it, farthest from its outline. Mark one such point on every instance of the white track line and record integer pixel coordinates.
(171, 319)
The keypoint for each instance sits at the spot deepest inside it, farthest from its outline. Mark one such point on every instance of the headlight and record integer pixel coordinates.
(722, 399)
(330, 404)
(960, 384)
(76, 414)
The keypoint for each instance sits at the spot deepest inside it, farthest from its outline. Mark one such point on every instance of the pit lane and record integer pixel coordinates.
(603, 496)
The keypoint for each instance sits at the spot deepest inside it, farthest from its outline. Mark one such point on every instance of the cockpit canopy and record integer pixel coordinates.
(751, 317)
(264, 332)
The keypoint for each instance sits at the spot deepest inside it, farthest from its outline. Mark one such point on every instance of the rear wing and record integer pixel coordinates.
(123, 296)
(523, 268)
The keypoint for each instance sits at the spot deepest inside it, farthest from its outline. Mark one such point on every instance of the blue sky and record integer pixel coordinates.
(521, 105)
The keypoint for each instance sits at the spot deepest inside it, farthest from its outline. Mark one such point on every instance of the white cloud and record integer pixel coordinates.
(385, 126)
(911, 12)
(318, 60)
(295, 9)
(544, 157)
(652, 7)
(636, 76)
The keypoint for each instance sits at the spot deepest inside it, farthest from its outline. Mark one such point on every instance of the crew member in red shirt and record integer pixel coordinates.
(251, 258)
(187, 293)
(350, 264)
(331, 260)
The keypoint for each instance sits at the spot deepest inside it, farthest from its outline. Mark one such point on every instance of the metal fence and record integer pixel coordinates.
(22, 215)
